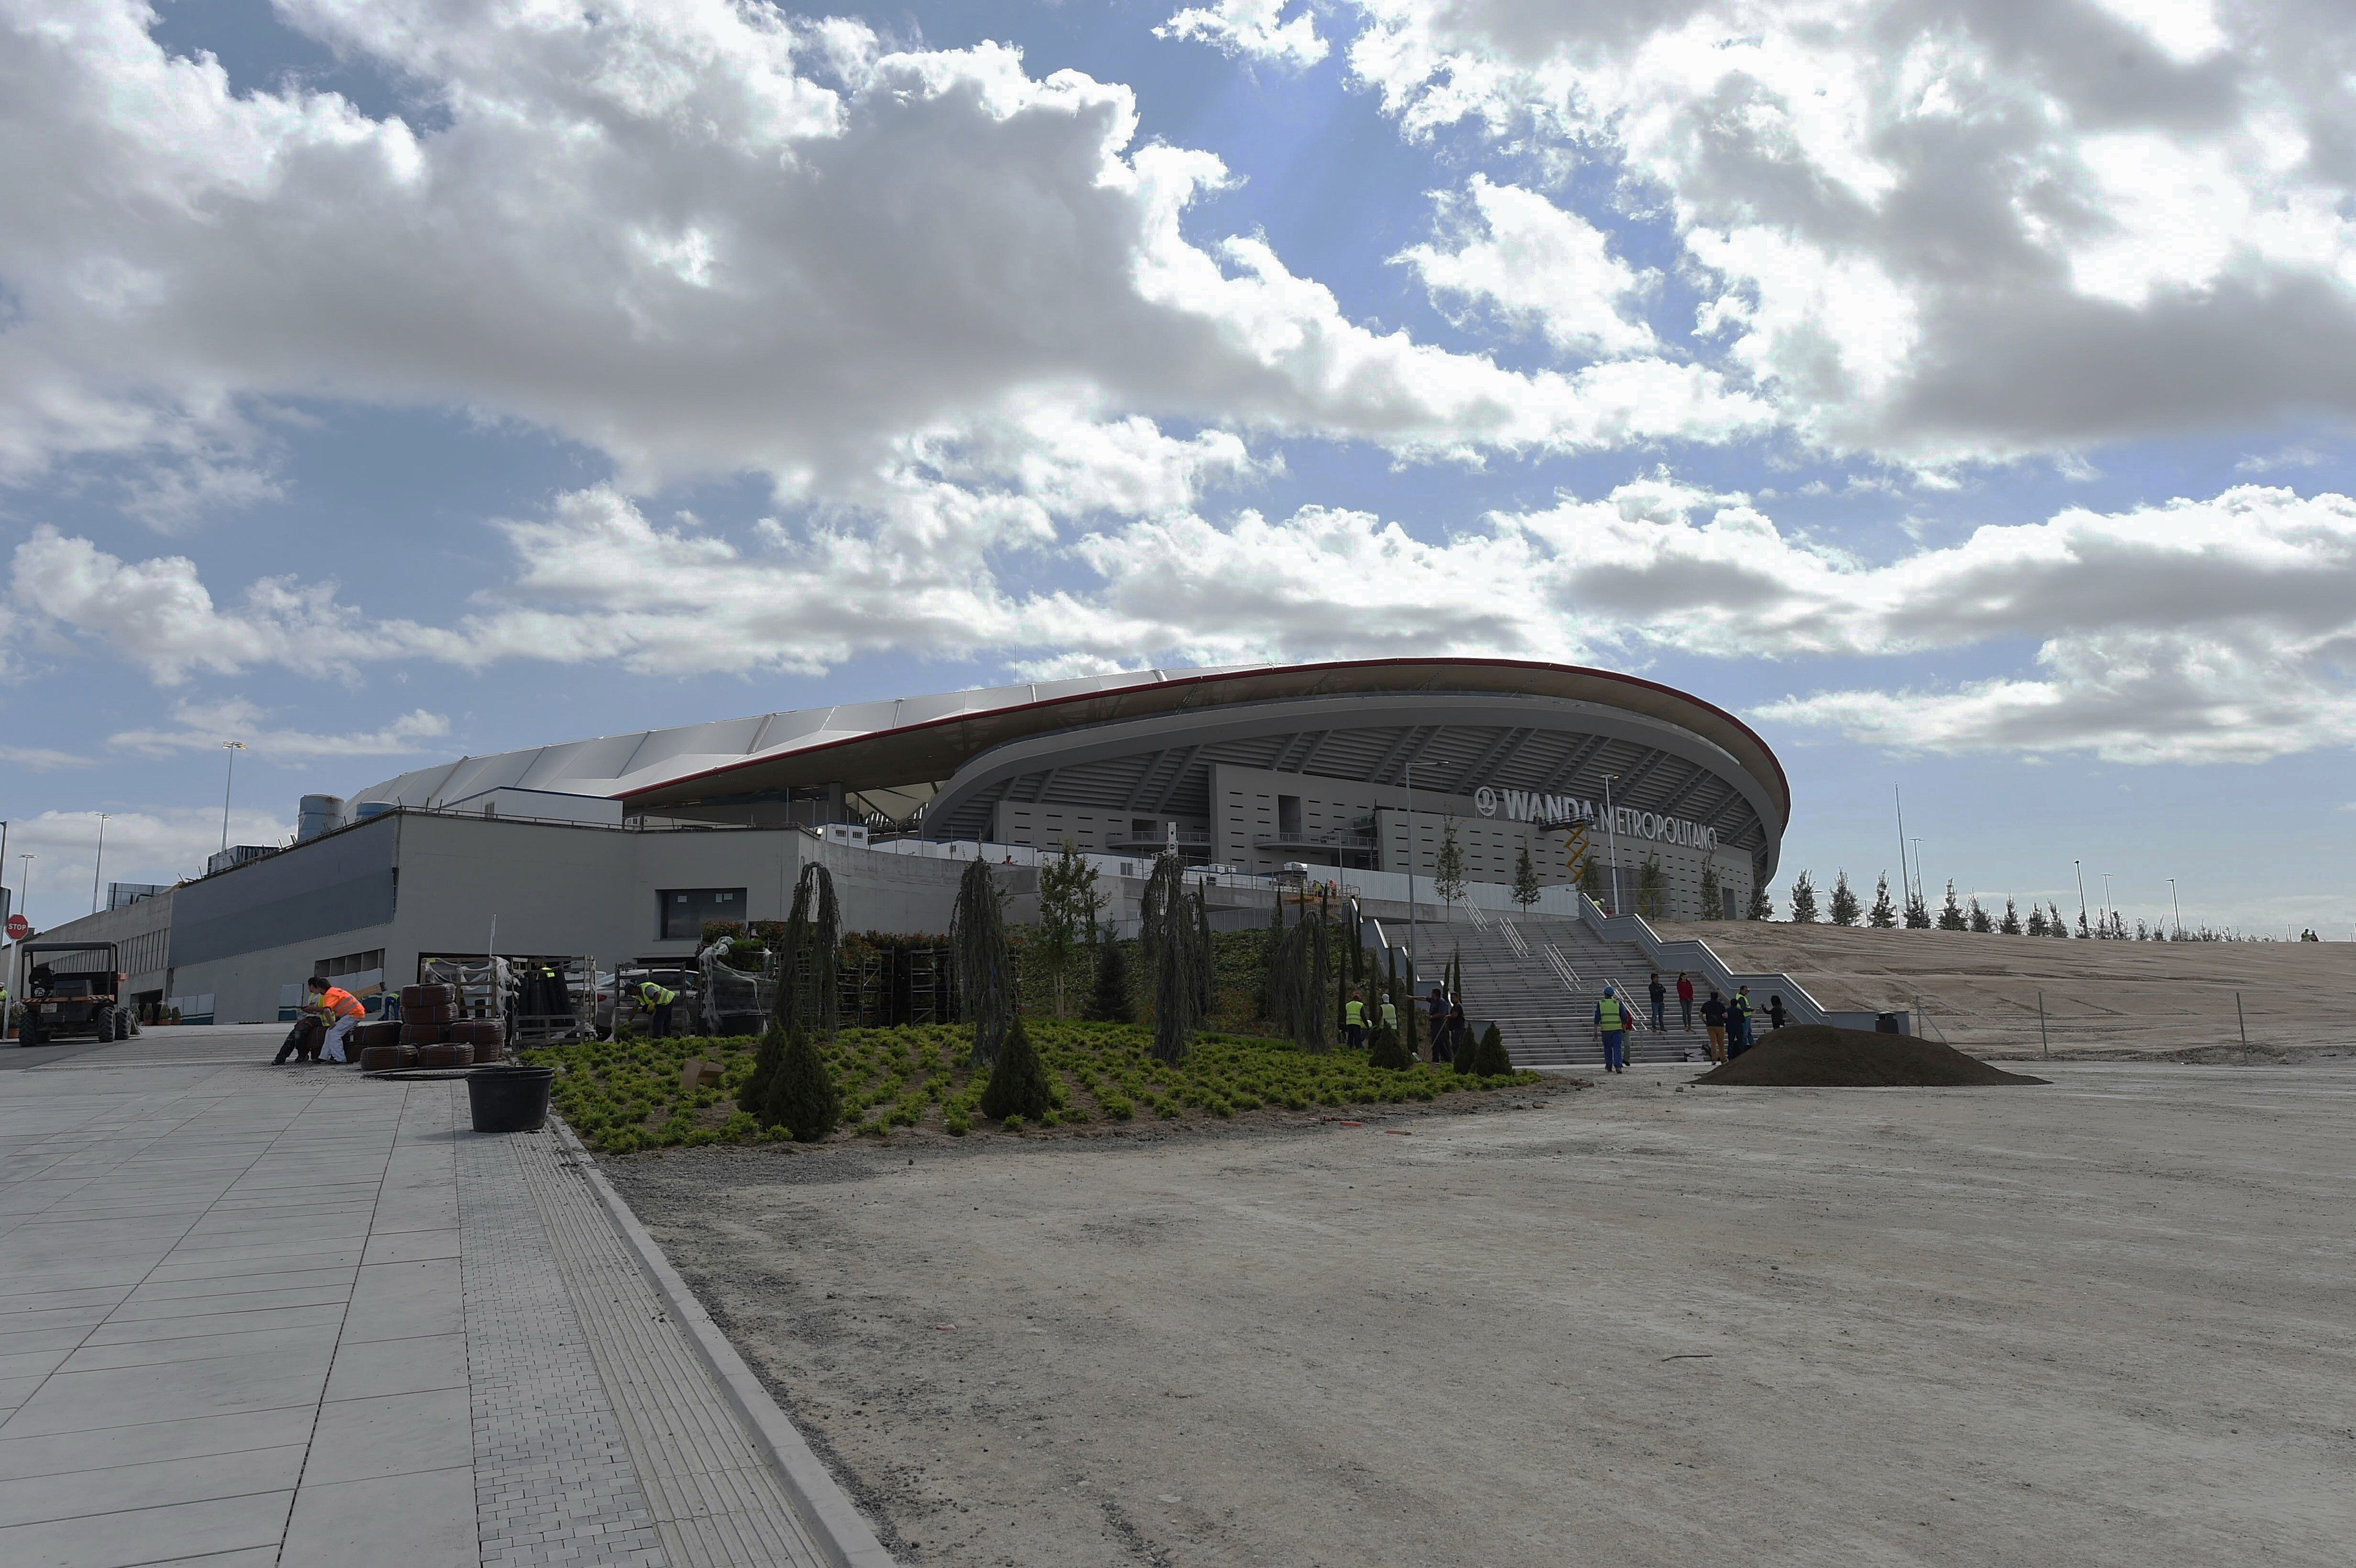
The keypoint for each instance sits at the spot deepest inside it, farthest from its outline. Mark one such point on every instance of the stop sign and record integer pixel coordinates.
(19, 928)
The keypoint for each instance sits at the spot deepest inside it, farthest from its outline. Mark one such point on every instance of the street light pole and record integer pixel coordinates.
(98, 865)
(2082, 894)
(1612, 831)
(2107, 903)
(1920, 896)
(1408, 767)
(1903, 883)
(2179, 907)
(232, 747)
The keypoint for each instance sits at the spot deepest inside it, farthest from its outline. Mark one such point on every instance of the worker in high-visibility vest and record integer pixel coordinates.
(340, 1012)
(658, 1001)
(1612, 1023)
(1354, 1021)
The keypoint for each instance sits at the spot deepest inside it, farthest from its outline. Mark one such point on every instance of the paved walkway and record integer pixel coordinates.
(287, 1315)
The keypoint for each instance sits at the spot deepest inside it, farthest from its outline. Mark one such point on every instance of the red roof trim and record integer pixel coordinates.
(1782, 783)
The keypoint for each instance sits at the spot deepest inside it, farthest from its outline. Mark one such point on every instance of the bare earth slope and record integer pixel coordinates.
(2100, 1323)
(1980, 992)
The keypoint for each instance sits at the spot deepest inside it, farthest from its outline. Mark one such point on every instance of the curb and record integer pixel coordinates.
(841, 1531)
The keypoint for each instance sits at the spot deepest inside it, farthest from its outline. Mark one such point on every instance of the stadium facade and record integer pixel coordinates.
(619, 846)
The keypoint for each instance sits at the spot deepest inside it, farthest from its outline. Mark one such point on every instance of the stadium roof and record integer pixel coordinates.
(906, 741)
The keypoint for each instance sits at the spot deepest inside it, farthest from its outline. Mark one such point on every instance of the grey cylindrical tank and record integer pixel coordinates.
(316, 815)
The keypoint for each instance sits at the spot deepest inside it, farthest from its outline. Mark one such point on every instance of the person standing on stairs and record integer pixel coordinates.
(1685, 998)
(1660, 1000)
(1611, 1024)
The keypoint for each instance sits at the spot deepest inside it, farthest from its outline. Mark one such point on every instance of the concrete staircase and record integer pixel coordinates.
(1538, 977)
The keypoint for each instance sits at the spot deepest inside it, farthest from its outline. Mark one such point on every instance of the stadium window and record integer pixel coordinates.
(685, 909)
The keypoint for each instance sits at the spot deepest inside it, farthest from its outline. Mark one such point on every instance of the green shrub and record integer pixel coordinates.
(1388, 1052)
(802, 1096)
(1018, 1081)
(1489, 1057)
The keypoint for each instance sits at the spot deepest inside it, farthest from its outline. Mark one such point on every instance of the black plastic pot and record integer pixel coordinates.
(510, 1099)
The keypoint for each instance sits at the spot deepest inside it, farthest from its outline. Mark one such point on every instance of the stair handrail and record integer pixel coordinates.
(1562, 970)
(1514, 941)
(1480, 921)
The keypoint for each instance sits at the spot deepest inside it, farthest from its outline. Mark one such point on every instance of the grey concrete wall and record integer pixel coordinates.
(141, 931)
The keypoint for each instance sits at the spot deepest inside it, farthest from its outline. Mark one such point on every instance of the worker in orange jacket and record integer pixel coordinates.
(340, 1012)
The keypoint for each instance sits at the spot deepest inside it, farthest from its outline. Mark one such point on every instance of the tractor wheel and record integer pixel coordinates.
(105, 1026)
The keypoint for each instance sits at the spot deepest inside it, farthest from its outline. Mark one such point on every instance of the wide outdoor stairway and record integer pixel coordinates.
(1539, 977)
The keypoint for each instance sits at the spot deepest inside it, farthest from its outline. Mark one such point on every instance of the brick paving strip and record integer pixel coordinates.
(254, 1315)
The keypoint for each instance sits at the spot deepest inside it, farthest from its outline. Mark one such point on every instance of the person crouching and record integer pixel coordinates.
(339, 1013)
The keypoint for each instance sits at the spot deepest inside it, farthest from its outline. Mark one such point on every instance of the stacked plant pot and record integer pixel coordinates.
(429, 1023)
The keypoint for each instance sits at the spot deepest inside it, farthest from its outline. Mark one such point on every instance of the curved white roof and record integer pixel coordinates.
(619, 765)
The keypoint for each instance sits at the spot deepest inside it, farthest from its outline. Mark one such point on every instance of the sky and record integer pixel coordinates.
(1958, 392)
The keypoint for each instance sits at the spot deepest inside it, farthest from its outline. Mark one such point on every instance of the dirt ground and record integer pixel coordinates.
(2101, 1322)
(2101, 999)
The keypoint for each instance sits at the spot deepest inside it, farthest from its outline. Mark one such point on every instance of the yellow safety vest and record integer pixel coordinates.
(1353, 1013)
(1612, 1014)
(655, 996)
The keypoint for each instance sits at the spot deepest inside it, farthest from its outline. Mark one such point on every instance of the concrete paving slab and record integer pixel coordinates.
(399, 1301)
(177, 1309)
(199, 1320)
(136, 1536)
(77, 1402)
(78, 1494)
(410, 1246)
(71, 1453)
(392, 1435)
(423, 1520)
(328, 1277)
(366, 1367)
(315, 1338)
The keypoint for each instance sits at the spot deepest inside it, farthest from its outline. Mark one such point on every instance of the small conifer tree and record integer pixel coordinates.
(1593, 882)
(1981, 921)
(1652, 889)
(1448, 869)
(1489, 1057)
(2011, 925)
(2055, 925)
(1713, 897)
(802, 1097)
(1918, 913)
(1951, 913)
(1018, 1079)
(2036, 921)
(1804, 900)
(754, 1095)
(1388, 1051)
(1762, 904)
(1884, 914)
(1845, 905)
(1111, 1004)
(1526, 881)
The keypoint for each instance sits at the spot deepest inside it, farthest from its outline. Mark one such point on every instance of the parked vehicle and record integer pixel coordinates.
(81, 1004)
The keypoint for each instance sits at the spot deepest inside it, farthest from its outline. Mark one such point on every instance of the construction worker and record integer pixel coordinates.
(1738, 1022)
(1354, 1021)
(657, 1002)
(1390, 1014)
(1612, 1023)
(339, 1013)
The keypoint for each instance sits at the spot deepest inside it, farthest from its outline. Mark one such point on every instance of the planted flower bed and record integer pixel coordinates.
(624, 1096)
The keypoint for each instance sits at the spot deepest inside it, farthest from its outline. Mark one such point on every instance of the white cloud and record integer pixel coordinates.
(41, 758)
(158, 845)
(204, 727)
(1536, 264)
(700, 237)
(157, 615)
(2198, 631)
(1938, 234)
(1250, 27)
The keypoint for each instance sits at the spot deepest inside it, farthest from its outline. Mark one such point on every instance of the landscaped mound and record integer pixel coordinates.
(622, 1096)
(1817, 1055)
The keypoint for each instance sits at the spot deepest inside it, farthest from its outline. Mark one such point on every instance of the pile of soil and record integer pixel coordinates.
(1817, 1055)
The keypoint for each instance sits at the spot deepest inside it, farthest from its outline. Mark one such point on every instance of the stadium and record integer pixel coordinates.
(621, 846)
